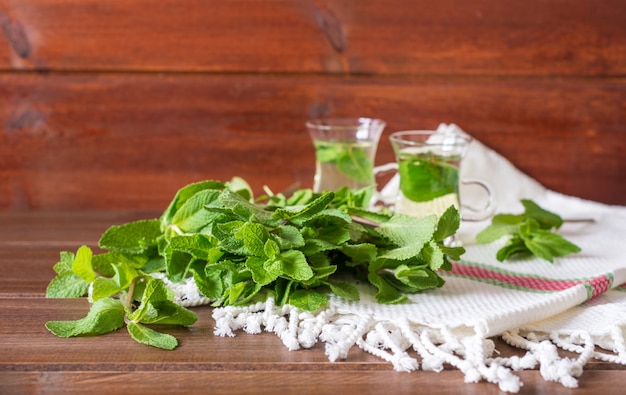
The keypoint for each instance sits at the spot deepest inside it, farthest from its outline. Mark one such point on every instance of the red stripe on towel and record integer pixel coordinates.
(496, 276)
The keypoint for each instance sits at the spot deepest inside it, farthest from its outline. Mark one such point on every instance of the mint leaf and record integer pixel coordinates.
(183, 195)
(545, 244)
(308, 299)
(545, 218)
(241, 188)
(300, 198)
(134, 237)
(416, 279)
(514, 246)
(448, 224)
(343, 290)
(346, 198)
(295, 266)
(243, 209)
(387, 293)
(177, 264)
(501, 225)
(64, 265)
(199, 246)
(426, 176)
(150, 337)
(103, 263)
(226, 236)
(408, 233)
(453, 253)
(211, 280)
(157, 307)
(360, 253)
(351, 159)
(282, 289)
(105, 315)
(254, 238)
(264, 272)
(82, 264)
(66, 284)
(529, 233)
(356, 164)
(241, 293)
(192, 216)
(433, 255)
(299, 215)
(104, 288)
(169, 313)
(288, 237)
(271, 249)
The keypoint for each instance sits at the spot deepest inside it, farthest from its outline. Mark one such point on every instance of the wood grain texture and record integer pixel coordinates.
(130, 141)
(32, 357)
(289, 382)
(117, 105)
(534, 37)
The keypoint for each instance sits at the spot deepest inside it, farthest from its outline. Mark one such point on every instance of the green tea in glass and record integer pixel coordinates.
(345, 149)
(428, 164)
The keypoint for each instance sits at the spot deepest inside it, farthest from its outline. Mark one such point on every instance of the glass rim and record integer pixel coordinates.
(343, 123)
(400, 137)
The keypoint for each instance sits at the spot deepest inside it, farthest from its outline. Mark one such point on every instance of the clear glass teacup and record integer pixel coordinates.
(345, 149)
(428, 164)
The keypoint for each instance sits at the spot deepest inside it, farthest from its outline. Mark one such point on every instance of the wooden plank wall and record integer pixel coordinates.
(116, 104)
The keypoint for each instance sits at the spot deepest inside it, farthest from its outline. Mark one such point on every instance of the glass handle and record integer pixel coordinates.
(485, 212)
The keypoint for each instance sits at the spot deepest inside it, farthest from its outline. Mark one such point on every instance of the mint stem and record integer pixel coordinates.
(129, 296)
(575, 220)
(364, 221)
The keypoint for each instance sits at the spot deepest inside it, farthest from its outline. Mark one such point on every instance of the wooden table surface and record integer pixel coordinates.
(33, 361)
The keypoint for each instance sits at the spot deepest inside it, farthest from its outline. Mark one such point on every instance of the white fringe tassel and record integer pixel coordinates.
(386, 340)
(392, 341)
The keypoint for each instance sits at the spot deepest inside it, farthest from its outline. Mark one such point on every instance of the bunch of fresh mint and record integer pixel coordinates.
(532, 232)
(239, 250)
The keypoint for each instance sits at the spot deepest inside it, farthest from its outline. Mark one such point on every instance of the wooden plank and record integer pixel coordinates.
(26, 270)
(101, 141)
(56, 229)
(289, 382)
(32, 357)
(484, 37)
(32, 347)
(30, 244)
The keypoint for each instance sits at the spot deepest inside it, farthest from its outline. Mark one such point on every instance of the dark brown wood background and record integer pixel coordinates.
(116, 104)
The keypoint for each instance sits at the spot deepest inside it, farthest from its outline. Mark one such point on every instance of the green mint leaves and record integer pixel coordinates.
(426, 176)
(238, 250)
(529, 233)
(415, 253)
(105, 315)
(352, 159)
(128, 296)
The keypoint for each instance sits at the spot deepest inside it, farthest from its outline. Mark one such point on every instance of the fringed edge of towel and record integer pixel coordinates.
(543, 348)
(472, 353)
(390, 341)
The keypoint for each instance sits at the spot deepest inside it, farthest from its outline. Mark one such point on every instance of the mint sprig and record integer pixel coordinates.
(129, 296)
(532, 232)
(351, 159)
(297, 248)
(426, 176)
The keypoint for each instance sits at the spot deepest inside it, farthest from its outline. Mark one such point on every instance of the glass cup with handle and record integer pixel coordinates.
(428, 163)
(345, 149)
